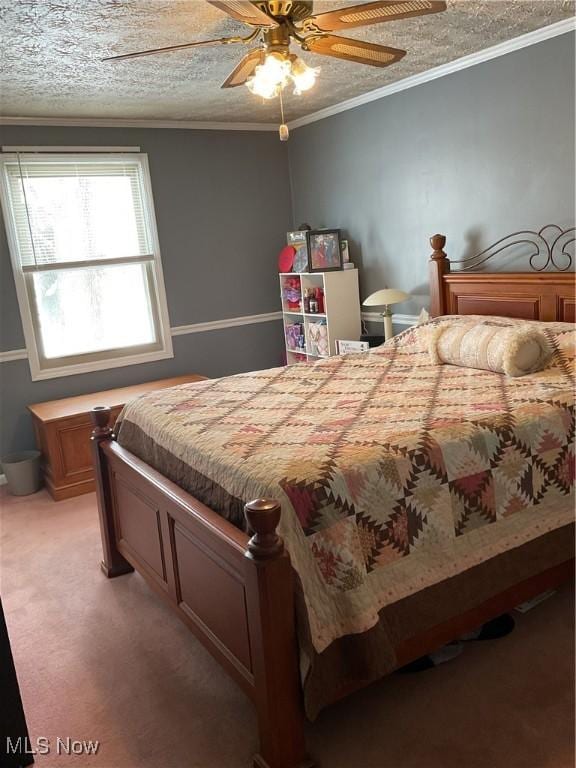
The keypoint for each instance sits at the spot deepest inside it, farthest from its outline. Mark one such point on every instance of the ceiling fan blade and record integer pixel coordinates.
(355, 50)
(244, 10)
(244, 69)
(218, 41)
(372, 13)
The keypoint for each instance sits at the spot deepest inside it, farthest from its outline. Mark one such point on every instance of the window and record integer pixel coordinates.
(86, 260)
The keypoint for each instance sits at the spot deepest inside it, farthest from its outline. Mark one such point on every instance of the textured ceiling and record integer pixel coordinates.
(50, 56)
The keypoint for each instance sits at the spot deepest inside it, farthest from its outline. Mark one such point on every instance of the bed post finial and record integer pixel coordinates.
(438, 265)
(100, 416)
(263, 515)
(438, 242)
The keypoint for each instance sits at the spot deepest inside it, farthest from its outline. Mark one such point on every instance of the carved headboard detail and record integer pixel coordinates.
(535, 295)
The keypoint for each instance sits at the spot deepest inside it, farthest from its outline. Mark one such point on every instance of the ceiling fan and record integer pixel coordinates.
(270, 67)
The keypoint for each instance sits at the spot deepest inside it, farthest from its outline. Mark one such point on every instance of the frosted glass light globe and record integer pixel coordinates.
(270, 77)
(303, 76)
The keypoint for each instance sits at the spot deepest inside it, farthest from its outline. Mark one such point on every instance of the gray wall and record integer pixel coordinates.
(474, 155)
(222, 208)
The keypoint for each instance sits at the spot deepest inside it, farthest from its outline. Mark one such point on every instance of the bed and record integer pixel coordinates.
(387, 520)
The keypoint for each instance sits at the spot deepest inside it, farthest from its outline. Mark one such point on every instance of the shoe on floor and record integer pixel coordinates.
(492, 630)
(441, 656)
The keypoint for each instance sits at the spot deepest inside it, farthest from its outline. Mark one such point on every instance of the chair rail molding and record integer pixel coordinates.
(13, 354)
(397, 319)
(233, 322)
(179, 330)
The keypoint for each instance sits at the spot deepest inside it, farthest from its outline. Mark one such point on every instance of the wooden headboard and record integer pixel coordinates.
(534, 295)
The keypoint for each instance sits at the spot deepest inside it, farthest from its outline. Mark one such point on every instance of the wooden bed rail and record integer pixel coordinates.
(234, 592)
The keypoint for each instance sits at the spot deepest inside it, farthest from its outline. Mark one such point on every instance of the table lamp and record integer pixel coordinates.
(385, 298)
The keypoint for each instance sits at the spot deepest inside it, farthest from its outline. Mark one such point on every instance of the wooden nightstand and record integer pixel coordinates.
(63, 429)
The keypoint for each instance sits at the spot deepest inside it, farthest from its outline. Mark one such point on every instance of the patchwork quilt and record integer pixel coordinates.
(394, 473)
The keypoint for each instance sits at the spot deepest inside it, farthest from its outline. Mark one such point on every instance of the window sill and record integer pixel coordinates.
(99, 365)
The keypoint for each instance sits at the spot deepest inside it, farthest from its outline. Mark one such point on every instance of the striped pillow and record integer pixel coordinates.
(513, 351)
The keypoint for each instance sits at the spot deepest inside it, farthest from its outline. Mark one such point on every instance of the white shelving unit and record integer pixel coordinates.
(341, 314)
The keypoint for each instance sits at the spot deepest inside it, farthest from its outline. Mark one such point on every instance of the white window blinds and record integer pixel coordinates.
(78, 209)
(86, 259)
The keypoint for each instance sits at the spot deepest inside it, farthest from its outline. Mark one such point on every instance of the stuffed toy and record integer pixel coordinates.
(292, 294)
(318, 333)
(323, 348)
(294, 336)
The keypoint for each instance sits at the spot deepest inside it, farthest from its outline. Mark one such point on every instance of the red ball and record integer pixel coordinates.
(286, 258)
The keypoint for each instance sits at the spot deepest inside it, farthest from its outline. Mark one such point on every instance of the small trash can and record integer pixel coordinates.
(22, 472)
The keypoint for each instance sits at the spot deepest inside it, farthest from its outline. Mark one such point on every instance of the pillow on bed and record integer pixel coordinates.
(513, 351)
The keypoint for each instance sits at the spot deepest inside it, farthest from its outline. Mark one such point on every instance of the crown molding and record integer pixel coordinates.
(501, 49)
(96, 122)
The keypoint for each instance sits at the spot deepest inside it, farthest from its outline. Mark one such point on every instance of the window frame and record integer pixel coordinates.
(41, 368)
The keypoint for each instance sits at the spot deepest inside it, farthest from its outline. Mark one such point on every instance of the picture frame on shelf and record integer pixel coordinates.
(345, 251)
(344, 347)
(298, 241)
(324, 250)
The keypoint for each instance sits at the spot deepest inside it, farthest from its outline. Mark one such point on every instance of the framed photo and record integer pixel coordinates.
(324, 251)
(345, 251)
(351, 347)
(298, 241)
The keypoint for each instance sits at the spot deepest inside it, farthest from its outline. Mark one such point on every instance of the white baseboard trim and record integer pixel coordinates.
(375, 317)
(179, 330)
(531, 38)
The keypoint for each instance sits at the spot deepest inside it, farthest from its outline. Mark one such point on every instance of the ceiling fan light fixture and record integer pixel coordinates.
(271, 76)
(276, 71)
(303, 76)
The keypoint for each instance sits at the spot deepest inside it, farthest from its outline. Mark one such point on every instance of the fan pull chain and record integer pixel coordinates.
(283, 131)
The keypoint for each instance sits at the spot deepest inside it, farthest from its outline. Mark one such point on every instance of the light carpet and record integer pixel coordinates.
(107, 661)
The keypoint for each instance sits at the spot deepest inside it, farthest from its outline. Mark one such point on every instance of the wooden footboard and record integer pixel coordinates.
(234, 592)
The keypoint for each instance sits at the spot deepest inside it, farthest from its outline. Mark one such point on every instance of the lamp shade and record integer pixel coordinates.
(385, 297)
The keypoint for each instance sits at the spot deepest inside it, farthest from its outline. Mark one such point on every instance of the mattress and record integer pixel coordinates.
(394, 474)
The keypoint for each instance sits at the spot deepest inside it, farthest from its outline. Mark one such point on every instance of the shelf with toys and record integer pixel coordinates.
(318, 309)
